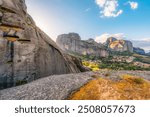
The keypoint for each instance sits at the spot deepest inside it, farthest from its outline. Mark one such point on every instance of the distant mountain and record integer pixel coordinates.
(148, 53)
(139, 51)
(114, 44)
(72, 43)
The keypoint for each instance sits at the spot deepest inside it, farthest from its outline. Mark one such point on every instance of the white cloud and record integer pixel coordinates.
(88, 9)
(134, 5)
(101, 3)
(103, 38)
(109, 8)
(142, 43)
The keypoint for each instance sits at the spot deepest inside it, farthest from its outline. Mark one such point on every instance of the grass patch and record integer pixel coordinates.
(128, 88)
(134, 79)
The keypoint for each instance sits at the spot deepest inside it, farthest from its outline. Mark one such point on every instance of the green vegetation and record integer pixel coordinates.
(92, 65)
(105, 64)
(21, 82)
(120, 66)
(125, 53)
(142, 58)
(97, 63)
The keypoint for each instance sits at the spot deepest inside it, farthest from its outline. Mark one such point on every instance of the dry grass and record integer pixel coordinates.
(128, 88)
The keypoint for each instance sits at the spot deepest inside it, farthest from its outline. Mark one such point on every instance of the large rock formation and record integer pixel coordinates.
(72, 43)
(119, 45)
(27, 53)
(56, 87)
(139, 51)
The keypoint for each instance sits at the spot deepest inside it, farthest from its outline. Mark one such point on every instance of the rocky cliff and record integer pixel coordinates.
(139, 51)
(119, 45)
(72, 43)
(26, 52)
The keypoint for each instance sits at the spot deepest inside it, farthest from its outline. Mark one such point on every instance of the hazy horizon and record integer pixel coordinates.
(96, 19)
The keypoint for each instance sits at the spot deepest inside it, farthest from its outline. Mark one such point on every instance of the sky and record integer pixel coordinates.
(98, 19)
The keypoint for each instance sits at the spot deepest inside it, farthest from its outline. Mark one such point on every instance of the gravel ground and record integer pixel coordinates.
(50, 88)
(59, 87)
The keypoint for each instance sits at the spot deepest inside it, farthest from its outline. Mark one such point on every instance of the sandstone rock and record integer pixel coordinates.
(139, 51)
(26, 52)
(72, 43)
(119, 45)
(110, 40)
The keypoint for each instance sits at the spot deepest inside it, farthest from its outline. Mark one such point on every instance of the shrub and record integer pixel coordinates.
(139, 80)
(21, 82)
(86, 63)
(135, 79)
(95, 76)
(92, 65)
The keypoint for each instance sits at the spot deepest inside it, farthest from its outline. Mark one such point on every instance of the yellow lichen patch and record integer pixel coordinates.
(92, 65)
(128, 88)
(7, 28)
(118, 43)
(11, 39)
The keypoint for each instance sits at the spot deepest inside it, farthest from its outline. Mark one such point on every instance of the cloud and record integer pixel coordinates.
(142, 43)
(88, 9)
(103, 38)
(134, 5)
(109, 8)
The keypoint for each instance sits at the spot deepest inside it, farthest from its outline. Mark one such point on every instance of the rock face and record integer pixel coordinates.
(26, 52)
(72, 43)
(139, 51)
(119, 45)
(110, 40)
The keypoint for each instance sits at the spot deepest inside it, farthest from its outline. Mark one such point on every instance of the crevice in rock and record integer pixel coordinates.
(10, 36)
(24, 40)
(4, 9)
(11, 26)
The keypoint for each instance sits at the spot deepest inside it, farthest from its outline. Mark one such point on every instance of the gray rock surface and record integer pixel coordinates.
(115, 75)
(57, 87)
(72, 43)
(119, 45)
(26, 52)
